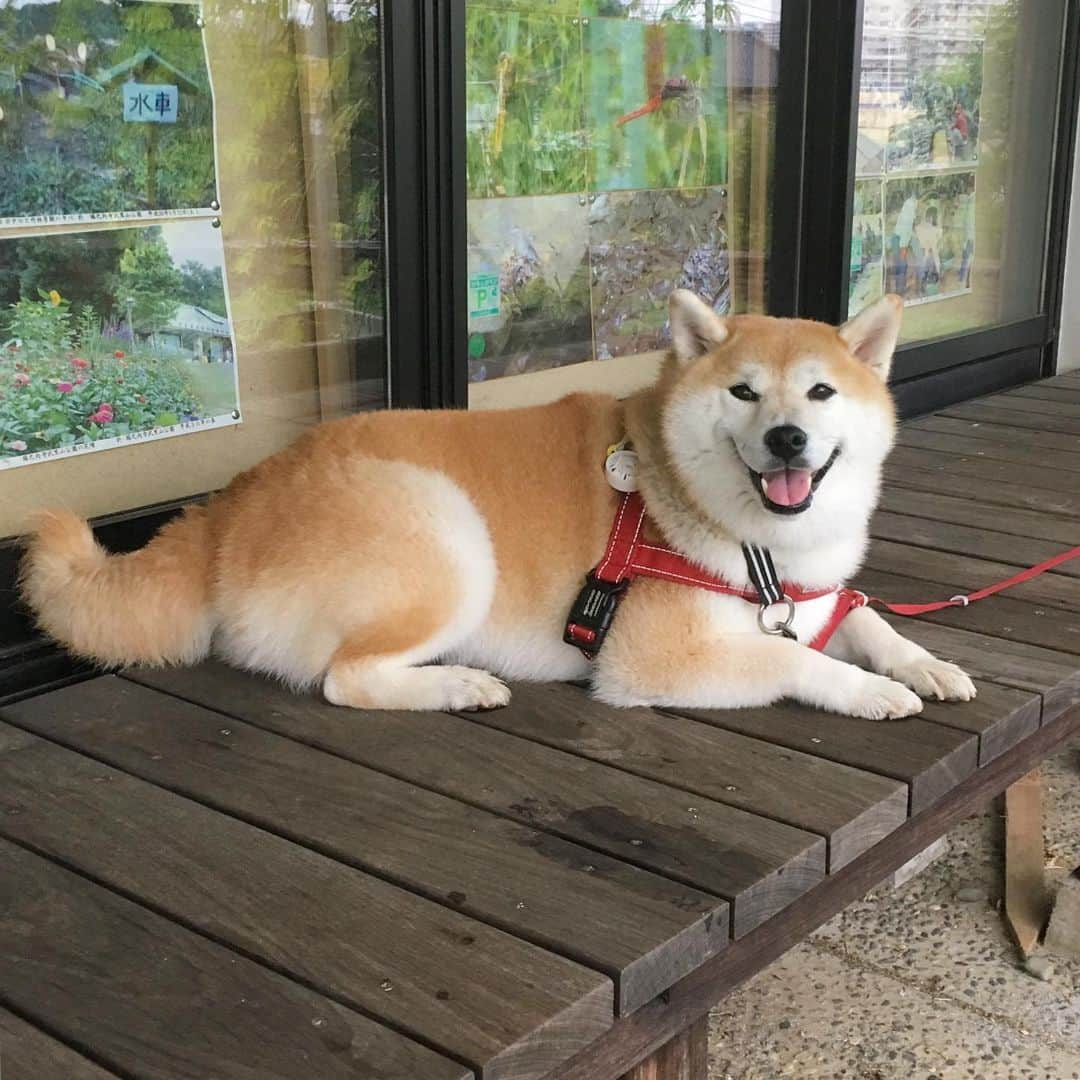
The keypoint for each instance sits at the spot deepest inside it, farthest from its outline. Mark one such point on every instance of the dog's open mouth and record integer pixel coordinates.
(790, 491)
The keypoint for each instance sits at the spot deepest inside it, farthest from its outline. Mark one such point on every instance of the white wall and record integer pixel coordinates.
(1069, 342)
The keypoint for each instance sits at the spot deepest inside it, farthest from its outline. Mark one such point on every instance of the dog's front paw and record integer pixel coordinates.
(470, 690)
(938, 679)
(879, 698)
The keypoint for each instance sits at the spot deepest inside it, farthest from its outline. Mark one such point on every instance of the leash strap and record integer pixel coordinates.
(981, 594)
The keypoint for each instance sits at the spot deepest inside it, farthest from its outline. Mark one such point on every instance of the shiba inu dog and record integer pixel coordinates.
(413, 560)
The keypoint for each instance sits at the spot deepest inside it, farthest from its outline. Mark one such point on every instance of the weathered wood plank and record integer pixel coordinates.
(1014, 521)
(26, 1053)
(852, 809)
(996, 617)
(506, 1008)
(758, 864)
(637, 927)
(1054, 675)
(1064, 378)
(930, 758)
(943, 574)
(1048, 390)
(999, 414)
(151, 998)
(1016, 449)
(998, 434)
(982, 543)
(999, 493)
(983, 471)
(633, 1038)
(1040, 406)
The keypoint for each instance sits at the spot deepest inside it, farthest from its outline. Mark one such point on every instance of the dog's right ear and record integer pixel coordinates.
(695, 328)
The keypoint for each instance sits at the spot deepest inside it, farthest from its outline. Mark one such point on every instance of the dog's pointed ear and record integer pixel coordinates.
(872, 334)
(695, 327)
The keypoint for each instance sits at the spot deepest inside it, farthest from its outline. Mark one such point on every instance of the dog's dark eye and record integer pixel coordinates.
(743, 392)
(821, 392)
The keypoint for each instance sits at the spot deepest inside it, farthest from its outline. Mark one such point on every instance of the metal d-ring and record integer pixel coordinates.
(783, 627)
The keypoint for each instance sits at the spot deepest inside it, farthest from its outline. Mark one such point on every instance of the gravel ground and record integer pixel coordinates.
(923, 981)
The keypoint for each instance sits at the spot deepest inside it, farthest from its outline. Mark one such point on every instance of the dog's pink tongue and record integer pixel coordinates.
(788, 487)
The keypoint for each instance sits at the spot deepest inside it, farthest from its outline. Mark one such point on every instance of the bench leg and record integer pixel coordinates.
(685, 1057)
(1026, 899)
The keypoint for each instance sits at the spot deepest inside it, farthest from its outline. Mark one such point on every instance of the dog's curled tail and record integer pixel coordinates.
(151, 606)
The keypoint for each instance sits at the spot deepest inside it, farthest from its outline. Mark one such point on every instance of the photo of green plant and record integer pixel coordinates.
(656, 104)
(529, 278)
(929, 236)
(106, 108)
(644, 244)
(865, 280)
(106, 336)
(525, 104)
(937, 124)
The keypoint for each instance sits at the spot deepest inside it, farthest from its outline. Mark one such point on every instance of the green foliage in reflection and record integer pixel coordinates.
(64, 145)
(525, 104)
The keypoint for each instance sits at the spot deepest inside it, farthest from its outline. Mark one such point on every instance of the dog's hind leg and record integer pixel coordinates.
(382, 667)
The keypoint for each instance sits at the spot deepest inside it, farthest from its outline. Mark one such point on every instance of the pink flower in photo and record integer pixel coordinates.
(17, 445)
(103, 414)
(65, 387)
(79, 380)
(79, 364)
(22, 379)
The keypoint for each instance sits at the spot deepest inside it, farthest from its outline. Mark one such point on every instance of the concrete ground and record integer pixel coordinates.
(922, 982)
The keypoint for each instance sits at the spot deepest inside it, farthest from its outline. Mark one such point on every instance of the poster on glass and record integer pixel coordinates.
(114, 312)
(929, 236)
(865, 282)
(118, 336)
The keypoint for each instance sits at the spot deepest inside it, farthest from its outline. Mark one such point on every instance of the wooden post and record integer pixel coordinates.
(685, 1057)
(1026, 902)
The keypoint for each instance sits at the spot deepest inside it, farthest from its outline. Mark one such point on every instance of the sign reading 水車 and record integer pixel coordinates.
(151, 103)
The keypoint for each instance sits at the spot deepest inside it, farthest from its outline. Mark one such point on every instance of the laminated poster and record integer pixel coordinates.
(114, 308)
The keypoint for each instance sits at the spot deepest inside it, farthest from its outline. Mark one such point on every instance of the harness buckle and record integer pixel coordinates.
(590, 617)
(783, 627)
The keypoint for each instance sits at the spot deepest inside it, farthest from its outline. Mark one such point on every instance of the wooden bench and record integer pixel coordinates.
(202, 875)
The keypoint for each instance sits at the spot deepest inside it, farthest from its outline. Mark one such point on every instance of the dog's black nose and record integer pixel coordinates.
(786, 441)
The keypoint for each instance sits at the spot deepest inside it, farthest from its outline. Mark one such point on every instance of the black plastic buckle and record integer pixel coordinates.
(590, 617)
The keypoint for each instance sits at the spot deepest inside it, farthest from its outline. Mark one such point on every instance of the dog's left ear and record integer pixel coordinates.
(695, 328)
(872, 334)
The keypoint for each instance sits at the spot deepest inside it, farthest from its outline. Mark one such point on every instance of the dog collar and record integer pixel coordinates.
(627, 556)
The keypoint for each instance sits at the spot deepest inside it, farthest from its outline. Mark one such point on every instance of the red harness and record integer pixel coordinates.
(627, 556)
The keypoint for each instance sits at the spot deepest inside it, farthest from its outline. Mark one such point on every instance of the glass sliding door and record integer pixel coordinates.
(954, 160)
(615, 151)
(191, 238)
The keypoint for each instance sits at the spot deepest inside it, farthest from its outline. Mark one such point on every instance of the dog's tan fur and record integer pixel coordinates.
(379, 544)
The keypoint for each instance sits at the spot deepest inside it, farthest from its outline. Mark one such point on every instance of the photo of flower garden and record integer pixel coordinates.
(85, 86)
(111, 336)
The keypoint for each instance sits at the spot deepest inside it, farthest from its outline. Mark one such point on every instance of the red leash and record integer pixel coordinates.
(980, 594)
(628, 557)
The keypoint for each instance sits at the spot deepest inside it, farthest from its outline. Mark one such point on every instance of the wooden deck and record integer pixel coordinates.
(204, 876)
